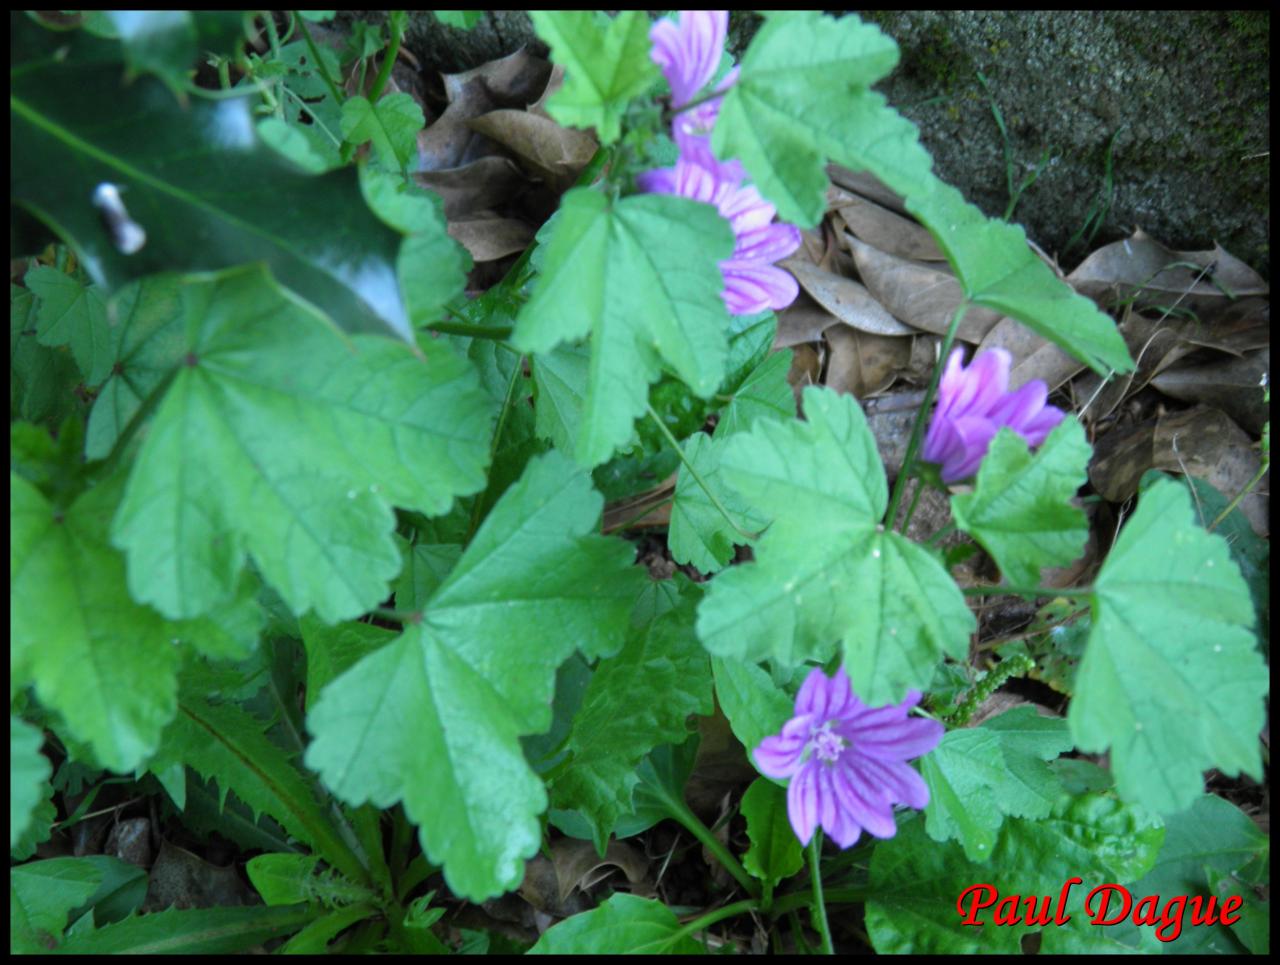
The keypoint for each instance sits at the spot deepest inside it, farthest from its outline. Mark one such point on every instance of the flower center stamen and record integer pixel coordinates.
(826, 745)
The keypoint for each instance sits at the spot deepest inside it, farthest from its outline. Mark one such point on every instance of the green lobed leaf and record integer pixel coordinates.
(426, 566)
(228, 744)
(1020, 509)
(462, 19)
(978, 776)
(700, 534)
(69, 313)
(119, 894)
(624, 924)
(103, 662)
(775, 851)
(29, 772)
(823, 570)
(763, 393)
(477, 673)
(281, 440)
(333, 650)
(793, 57)
(1211, 835)
(147, 318)
(636, 701)
(196, 931)
(392, 125)
(1171, 680)
(42, 380)
(314, 938)
(207, 192)
(641, 276)
(41, 895)
(754, 705)
(916, 882)
(606, 64)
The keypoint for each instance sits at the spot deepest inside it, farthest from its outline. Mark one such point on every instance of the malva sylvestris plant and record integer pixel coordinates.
(298, 454)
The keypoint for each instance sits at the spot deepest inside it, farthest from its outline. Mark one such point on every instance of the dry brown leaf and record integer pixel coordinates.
(890, 232)
(1200, 442)
(1205, 443)
(867, 185)
(847, 300)
(517, 79)
(556, 153)
(1232, 385)
(555, 80)
(802, 321)
(923, 296)
(488, 239)
(890, 418)
(864, 365)
(1138, 267)
(449, 142)
(1034, 357)
(478, 186)
(806, 368)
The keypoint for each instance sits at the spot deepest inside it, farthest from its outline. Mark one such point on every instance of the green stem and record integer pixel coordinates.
(496, 332)
(388, 60)
(512, 382)
(911, 508)
(832, 896)
(273, 35)
(917, 431)
(941, 534)
(819, 906)
(711, 917)
(697, 477)
(319, 62)
(678, 811)
(1257, 477)
(224, 73)
(627, 524)
(1084, 592)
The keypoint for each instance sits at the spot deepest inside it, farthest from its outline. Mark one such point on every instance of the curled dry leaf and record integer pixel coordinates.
(847, 300)
(449, 142)
(864, 365)
(1233, 385)
(556, 154)
(488, 239)
(549, 885)
(478, 186)
(867, 185)
(923, 296)
(803, 321)
(1141, 268)
(890, 232)
(806, 369)
(517, 79)
(1200, 442)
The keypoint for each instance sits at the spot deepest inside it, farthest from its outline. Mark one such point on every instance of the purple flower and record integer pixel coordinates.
(689, 52)
(974, 404)
(847, 761)
(752, 283)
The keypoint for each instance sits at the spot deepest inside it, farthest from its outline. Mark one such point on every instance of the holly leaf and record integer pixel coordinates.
(606, 64)
(700, 533)
(636, 701)
(102, 661)
(1020, 509)
(918, 884)
(624, 924)
(277, 440)
(978, 776)
(792, 57)
(207, 192)
(29, 771)
(392, 125)
(434, 718)
(1171, 680)
(774, 852)
(823, 570)
(641, 276)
